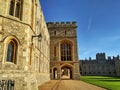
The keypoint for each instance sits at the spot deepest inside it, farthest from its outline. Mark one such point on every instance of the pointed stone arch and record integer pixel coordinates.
(67, 71)
(66, 50)
(67, 41)
(8, 38)
(55, 72)
(11, 47)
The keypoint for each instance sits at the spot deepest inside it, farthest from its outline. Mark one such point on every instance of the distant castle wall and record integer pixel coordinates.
(100, 65)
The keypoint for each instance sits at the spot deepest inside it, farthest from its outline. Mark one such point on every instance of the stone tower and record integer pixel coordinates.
(63, 50)
(24, 60)
(100, 56)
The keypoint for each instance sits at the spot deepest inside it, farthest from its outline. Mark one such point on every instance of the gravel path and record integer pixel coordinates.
(68, 85)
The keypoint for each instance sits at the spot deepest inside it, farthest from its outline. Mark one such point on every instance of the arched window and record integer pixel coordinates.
(65, 32)
(66, 52)
(55, 51)
(32, 13)
(11, 8)
(12, 51)
(54, 32)
(16, 8)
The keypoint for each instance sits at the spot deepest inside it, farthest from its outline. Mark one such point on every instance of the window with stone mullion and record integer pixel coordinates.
(12, 6)
(11, 52)
(16, 8)
(69, 54)
(62, 52)
(55, 51)
(62, 56)
(66, 52)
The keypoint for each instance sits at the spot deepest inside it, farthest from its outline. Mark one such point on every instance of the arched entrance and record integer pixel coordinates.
(67, 72)
(55, 73)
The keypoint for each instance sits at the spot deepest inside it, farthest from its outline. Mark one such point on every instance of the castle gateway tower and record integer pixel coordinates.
(63, 50)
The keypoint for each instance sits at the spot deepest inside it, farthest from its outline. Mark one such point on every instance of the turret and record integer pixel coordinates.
(100, 56)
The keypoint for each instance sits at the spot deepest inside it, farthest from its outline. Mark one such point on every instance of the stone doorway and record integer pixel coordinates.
(66, 72)
(55, 73)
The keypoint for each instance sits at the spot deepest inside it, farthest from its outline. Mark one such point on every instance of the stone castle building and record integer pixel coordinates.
(24, 45)
(100, 66)
(64, 62)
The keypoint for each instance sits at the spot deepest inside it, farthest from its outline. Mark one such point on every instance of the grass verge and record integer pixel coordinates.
(110, 83)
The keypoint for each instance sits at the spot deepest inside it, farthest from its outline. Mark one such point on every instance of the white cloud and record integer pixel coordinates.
(89, 23)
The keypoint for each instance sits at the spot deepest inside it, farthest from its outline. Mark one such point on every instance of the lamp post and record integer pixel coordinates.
(31, 47)
(38, 36)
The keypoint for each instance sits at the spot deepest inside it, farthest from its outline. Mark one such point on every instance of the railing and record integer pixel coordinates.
(7, 84)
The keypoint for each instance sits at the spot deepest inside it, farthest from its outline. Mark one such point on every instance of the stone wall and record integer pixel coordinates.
(32, 56)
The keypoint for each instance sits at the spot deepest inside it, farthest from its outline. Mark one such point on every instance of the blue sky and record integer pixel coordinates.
(98, 23)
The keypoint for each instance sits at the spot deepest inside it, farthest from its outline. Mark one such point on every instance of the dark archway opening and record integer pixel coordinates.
(66, 73)
(55, 73)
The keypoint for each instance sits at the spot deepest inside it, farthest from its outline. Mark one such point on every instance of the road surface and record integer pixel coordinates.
(68, 85)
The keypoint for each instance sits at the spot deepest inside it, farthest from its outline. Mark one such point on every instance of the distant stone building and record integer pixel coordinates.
(24, 60)
(100, 66)
(63, 50)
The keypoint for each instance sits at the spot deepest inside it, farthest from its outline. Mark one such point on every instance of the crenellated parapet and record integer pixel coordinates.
(100, 56)
(62, 24)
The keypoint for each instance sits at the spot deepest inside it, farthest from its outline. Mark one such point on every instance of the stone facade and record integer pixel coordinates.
(63, 50)
(100, 66)
(28, 65)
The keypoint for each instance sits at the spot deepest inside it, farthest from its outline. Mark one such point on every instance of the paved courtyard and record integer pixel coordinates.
(68, 85)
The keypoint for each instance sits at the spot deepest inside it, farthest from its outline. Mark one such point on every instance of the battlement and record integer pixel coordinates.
(61, 24)
(100, 56)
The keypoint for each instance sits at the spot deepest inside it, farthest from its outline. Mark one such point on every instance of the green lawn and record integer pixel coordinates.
(110, 83)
